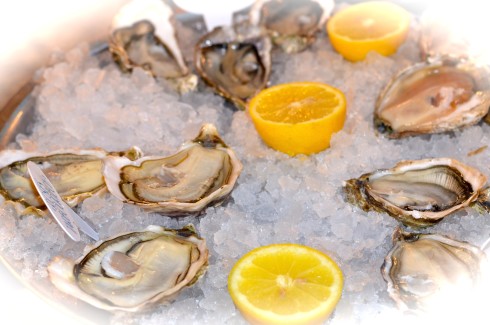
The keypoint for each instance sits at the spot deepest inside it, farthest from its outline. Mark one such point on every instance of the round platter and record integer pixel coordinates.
(81, 99)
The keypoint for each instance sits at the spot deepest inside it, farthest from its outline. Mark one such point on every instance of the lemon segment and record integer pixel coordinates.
(298, 118)
(369, 26)
(285, 284)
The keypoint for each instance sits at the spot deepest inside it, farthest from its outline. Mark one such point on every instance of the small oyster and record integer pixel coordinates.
(133, 270)
(237, 66)
(418, 193)
(202, 172)
(292, 24)
(75, 174)
(433, 97)
(143, 36)
(424, 271)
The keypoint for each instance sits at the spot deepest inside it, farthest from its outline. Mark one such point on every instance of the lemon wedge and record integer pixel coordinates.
(298, 118)
(285, 284)
(369, 26)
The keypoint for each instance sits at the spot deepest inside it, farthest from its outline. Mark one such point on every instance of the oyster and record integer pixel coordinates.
(237, 66)
(417, 192)
(75, 174)
(424, 272)
(433, 97)
(143, 36)
(202, 172)
(133, 270)
(292, 24)
(484, 199)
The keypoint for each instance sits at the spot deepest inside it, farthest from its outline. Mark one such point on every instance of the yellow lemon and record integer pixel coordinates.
(369, 26)
(298, 118)
(285, 284)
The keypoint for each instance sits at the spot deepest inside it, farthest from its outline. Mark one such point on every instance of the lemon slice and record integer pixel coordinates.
(285, 284)
(298, 118)
(369, 26)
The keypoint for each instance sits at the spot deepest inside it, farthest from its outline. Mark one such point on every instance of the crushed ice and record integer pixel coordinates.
(85, 101)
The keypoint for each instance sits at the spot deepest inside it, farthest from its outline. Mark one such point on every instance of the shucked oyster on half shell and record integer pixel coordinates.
(236, 65)
(204, 171)
(75, 174)
(292, 24)
(432, 97)
(134, 270)
(418, 193)
(143, 35)
(425, 272)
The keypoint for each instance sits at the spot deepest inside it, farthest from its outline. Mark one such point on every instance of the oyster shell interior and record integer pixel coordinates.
(132, 271)
(433, 97)
(418, 193)
(144, 36)
(424, 270)
(174, 177)
(235, 66)
(432, 189)
(292, 24)
(204, 171)
(144, 49)
(75, 176)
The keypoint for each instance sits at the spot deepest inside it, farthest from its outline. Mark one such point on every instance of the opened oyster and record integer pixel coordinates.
(204, 171)
(425, 272)
(133, 270)
(292, 24)
(237, 66)
(75, 174)
(143, 36)
(433, 97)
(417, 192)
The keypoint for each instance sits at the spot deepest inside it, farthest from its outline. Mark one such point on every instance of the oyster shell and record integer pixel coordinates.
(202, 172)
(484, 199)
(418, 193)
(133, 270)
(143, 36)
(432, 97)
(75, 174)
(292, 24)
(423, 271)
(237, 66)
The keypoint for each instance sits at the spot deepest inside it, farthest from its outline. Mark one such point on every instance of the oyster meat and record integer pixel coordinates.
(418, 193)
(432, 97)
(292, 24)
(204, 171)
(133, 270)
(425, 271)
(143, 35)
(75, 174)
(236, 65)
